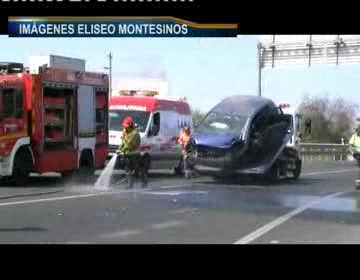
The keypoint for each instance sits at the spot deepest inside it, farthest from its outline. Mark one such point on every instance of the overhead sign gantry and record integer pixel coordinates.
(306, 50)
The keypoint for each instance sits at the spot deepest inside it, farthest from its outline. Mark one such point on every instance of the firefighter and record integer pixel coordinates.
(355, 148)
(184, 140)
(130, 149)
(355, 142)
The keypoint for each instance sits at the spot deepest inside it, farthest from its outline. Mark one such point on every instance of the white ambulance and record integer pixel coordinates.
(158, 119)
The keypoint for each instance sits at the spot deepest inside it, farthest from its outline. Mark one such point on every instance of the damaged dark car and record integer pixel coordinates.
(245, 135)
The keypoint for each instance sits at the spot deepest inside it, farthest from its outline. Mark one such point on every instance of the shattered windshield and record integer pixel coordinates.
(218, 122)
(141, 119)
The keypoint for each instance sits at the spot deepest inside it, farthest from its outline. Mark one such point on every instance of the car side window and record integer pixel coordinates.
(264, 118)
(155, 125)
(273, 115)
(259, 122)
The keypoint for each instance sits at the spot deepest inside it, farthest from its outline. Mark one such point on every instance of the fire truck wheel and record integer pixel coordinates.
(86, 164)
(22, 165)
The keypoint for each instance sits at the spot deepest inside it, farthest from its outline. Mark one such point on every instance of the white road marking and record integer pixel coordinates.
(183, 211)
(174, 193)
(163, 193)
(74, 242)
(244, 187)
(168, 224)
(51, 199)
(90, 195)
(121, 234)
(330, 172)
(282, 219)
(177, 186)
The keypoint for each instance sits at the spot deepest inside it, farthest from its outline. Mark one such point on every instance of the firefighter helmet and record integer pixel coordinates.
(128, 122)
(186, 129)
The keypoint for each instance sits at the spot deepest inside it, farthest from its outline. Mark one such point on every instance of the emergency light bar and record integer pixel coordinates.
(11, 67)
(282, 106)
(138, 93)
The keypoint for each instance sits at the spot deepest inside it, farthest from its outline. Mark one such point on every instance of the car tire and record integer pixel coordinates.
(218, 179)
(297, 171)
(22, 166)
(272, 175)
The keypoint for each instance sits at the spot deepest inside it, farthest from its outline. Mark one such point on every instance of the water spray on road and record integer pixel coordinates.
(103, 182)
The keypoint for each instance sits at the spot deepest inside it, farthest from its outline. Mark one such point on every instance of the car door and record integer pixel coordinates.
(273, 133)
(255, 152)
(154, 140)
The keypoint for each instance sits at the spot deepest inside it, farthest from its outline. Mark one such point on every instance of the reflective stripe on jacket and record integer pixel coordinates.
(130, 142)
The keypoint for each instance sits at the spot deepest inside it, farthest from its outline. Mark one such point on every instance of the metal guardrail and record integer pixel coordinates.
(323, 151)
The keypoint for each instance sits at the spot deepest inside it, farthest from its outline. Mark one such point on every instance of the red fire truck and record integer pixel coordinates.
(53, 118)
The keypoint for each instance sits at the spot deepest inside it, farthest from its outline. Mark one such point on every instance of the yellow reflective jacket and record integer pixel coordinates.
(130, 142)
(355, 141)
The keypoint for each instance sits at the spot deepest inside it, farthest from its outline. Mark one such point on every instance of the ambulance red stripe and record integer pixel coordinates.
(151, 104)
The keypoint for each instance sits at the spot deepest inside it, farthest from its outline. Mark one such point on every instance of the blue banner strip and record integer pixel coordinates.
(33, 28)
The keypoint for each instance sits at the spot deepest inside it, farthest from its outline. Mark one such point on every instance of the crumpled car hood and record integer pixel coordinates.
(215, 140)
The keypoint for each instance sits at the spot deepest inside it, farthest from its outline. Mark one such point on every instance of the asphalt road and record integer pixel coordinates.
(321, 207)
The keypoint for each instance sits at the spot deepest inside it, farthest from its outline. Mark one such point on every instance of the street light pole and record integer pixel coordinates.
(259, 68)
(110, 73)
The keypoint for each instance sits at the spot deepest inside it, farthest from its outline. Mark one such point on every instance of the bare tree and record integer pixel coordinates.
(197, 116)
(332, 119)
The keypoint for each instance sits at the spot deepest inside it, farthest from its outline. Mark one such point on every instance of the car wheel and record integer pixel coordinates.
(218, 179)
(273, 175)
(297, 171)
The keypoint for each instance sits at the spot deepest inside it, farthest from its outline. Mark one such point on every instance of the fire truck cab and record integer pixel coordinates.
(53, 117)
